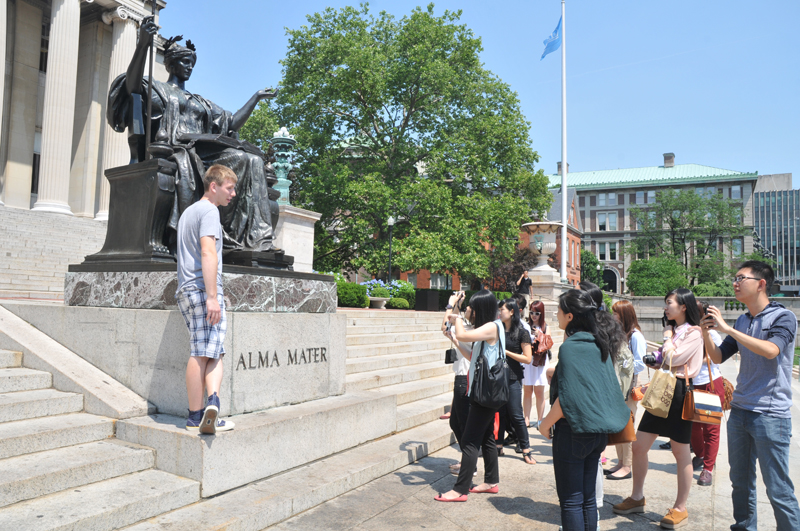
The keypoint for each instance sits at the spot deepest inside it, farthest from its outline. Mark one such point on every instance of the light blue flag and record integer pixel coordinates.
(553, 42)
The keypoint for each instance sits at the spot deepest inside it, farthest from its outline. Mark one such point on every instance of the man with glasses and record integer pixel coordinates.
(525, 288)
(760, 424)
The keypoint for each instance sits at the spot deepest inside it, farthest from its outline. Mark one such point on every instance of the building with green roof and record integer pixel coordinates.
(605, 198)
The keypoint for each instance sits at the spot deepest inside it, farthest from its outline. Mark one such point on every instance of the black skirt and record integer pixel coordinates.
(673, 426)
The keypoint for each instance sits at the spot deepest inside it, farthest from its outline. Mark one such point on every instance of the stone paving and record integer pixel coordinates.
(527, 498)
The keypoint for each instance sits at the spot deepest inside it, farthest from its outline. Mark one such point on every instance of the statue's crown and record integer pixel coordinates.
(176, 39)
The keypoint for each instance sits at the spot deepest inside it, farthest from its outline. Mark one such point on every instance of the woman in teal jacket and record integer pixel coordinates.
(586, 405)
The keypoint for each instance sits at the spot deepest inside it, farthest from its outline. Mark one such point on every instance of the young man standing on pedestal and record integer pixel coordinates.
(525, 288)
(200, 298)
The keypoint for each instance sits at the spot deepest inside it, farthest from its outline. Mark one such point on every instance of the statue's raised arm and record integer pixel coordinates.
(135, 73)
(244, 113)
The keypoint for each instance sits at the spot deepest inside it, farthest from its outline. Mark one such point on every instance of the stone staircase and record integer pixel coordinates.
(62, 468)
(37, 247)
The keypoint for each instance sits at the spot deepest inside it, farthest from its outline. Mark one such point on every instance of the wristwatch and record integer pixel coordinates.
(448, 307)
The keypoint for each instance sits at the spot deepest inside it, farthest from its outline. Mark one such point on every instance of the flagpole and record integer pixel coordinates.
(564, 165)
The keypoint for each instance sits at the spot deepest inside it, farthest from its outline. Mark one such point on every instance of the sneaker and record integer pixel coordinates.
(666, 446)
(697, 462)
(193, 422)
(705, 478)
(224, 425)
(675, 519)
(629, 505)
(209, 423)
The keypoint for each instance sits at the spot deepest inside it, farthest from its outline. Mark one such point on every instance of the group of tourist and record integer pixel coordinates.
(596, 385)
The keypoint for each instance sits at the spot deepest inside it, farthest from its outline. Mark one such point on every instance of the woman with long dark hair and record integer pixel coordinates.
(626, 315)
(586, 405)
(535, 376)
(488, 337)
(518, 352)
(682, 347)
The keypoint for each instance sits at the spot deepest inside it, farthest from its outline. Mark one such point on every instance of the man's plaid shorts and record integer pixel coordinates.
(205, 340)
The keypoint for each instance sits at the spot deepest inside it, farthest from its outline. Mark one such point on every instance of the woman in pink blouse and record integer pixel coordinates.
(683, 350)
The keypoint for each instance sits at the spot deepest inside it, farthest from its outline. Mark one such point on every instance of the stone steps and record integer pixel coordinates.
(9, 358)
(48, 433)
(267, 502)
(423, 411)
(374, 363)
(407, 392)
(393, 337)
(20, 379)
(22, 405)
(109, 504)
(384, 377)
(405, 347)
(32, 475)
(35, 256)
(394, 328)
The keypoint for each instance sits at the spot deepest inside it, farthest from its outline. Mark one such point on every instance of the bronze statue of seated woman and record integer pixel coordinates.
(195, 133)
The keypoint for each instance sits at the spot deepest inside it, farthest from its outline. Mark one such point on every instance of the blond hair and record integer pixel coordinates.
(218, 174)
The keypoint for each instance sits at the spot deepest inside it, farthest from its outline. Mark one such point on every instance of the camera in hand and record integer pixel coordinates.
(649, 359)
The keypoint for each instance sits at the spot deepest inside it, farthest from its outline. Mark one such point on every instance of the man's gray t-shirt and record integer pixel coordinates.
(200, 219)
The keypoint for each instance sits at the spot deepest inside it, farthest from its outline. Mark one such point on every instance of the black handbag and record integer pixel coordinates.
(490, 384)
(450, 356)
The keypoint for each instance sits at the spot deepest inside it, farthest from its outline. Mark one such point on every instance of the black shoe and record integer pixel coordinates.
(697, 462)
(666, 446)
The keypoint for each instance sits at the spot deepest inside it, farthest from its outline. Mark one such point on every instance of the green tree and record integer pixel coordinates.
(655, 277)
(589, 271)
(688, 227)
(400, 118)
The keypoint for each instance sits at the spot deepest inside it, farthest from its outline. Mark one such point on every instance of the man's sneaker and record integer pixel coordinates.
(705, 478)
(224, 425)
(675, 519)
(209, 423)
(193, 422)
(697, 462)
(629, 505)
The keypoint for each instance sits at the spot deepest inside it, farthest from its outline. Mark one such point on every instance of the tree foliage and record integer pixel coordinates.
(400, 118)
(589, 271)
(688, 226)
(655, 277)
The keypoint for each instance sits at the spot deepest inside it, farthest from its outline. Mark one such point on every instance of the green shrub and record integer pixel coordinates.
(404, 290)
(397, 303)
(352, 295)
(380, 292)
(608, 301)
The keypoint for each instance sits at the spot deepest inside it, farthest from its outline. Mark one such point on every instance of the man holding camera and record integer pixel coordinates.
(760, 424)
(525, 288)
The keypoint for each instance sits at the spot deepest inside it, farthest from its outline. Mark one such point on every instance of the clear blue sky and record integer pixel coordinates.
(715, 82)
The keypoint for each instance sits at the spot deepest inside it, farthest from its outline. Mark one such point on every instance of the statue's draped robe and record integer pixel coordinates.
(246, 221)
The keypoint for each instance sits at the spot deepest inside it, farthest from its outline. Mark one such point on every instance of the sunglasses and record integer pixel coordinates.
(537, 314)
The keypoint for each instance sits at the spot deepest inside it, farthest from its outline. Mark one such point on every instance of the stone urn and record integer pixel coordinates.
(379, 303)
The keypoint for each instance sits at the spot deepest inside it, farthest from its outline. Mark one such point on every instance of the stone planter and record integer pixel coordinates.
(378, 302)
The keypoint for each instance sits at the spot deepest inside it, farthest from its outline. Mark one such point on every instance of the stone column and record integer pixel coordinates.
(3, 11)
(59, 108)
(115, 145)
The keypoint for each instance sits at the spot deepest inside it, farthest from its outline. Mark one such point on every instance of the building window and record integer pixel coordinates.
(412, 278)
(612, 251)
(601, 253)
(736, 192)
(606, 221)
(736, 245)
(639, 198)
(45, 45)
(601, 199)
(440, 281)
(651, 196)
(612, 199)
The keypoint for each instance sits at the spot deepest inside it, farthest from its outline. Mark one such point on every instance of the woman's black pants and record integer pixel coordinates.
(460, 408)
(479, 432)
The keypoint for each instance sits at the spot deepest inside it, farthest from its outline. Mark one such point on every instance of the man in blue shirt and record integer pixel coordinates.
(760, 424)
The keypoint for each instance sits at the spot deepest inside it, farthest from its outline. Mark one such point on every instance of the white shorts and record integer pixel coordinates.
(535, 375)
